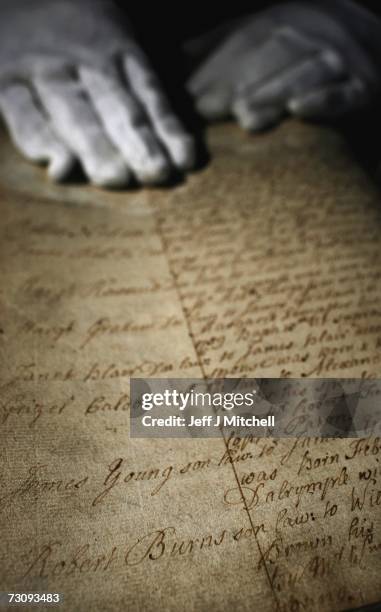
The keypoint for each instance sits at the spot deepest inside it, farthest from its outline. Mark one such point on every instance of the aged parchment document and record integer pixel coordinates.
(265, 264)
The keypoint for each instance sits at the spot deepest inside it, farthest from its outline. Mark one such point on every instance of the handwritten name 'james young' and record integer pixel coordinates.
(209, 421)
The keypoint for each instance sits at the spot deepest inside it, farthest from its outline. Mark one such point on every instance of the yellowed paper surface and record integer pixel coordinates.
(265, 264)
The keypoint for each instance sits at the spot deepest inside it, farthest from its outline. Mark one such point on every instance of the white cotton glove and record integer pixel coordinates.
(309, 59)
(74, 85)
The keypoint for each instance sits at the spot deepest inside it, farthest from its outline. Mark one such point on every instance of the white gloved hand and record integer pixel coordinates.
(74, 85)
(308, 59)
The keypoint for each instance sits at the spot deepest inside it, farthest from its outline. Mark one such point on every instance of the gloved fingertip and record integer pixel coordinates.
(251, 122)
(111, 175)
(302, 107)
(294, 106)
(212, 107)
(254, 119)
(246, 117)
(154, 172)
(60, 166)
(183, 151)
